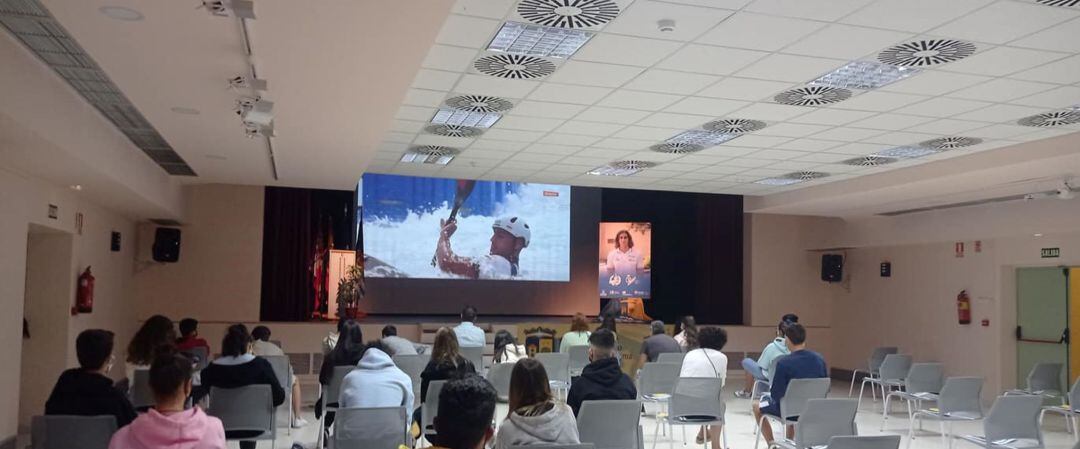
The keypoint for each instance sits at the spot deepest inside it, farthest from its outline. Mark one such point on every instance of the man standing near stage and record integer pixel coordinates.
(509, 235)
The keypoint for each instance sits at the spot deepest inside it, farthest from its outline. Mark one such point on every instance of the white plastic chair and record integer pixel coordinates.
(873, 364)
(891, 374)
(283, 372)
(67, 431)
(671, 357)
(1070, 411)
(1013, 422)
(607, 424)
(579, 358)
(822, 420)
(922, 383)
(1044, 379)
(799, 393)
(499, 376)
(413, 365)
(697, 401)
(430, 409)
(246, 412)
(557, 366)
(656, 385)
(959, 400)
(865, 442)
(330, 396)
(368, 428)
(139, 391)
(474, 354)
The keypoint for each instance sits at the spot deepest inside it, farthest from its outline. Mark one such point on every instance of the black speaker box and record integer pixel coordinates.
(166, 245)
(832, 267)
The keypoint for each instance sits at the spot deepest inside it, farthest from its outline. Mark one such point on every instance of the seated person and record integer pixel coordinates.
(87, 390)
(238, 367)
(506, 348)
(654, 345)
(601, 378)
(466, 410)
(535, 417)
(708, 361)
(347, 352)
(469, 335)
(189, 336)
(168, 424)
(578, 334)
(155, 335)
(397, 345)
(759, 370)
(262, 347)
(446, 363)
(802, 363)
(376, 381)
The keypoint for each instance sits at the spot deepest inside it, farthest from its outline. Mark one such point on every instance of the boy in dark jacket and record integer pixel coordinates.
(602, 378)
(87, 390)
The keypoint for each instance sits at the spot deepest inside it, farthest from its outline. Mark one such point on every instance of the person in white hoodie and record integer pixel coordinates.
(535, 417)
(376, 381)
(168, 425)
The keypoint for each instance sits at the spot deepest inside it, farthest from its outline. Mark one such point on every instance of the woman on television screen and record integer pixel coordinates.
(624, 259)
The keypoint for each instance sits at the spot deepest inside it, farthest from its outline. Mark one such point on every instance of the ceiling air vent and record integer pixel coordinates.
(514, 66)
(926, 52)
(1048, 119)
(479, 103)
(568, 13)
(621, 168)
(806, 175)
(1062, 3)
(430, 154)
(869, 161)
(734, 125)
(950, 143)
(813, 96)
(453, 130)
(676, 148)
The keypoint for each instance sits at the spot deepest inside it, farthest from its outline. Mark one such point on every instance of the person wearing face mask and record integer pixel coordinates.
(602, 378)
(802, 363)
(88, 390)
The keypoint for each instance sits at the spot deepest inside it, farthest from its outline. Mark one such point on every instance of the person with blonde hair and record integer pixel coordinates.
(578, 335)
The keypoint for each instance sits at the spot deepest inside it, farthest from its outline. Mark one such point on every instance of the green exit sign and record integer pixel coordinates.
(1051, 252)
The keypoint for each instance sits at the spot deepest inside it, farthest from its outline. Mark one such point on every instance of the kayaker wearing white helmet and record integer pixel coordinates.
(509, 235)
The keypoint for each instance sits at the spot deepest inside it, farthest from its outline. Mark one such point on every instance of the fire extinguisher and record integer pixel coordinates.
(84, 295)
(963, 307)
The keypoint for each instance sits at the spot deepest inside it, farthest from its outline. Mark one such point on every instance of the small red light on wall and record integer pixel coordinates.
(985, 322)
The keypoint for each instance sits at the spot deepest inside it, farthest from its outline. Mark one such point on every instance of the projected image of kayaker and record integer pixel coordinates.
(509, 235)
(624, 259)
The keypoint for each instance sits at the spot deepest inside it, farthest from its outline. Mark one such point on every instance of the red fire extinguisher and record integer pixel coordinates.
(84, 294)
(963, 307)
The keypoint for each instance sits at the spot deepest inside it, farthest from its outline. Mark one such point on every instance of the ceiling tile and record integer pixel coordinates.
(611, 115)
(789, 68)
(1001, 131)
(626, 50)
(759, 141)
(900, 138)
(407, 126)
(946, 126)
(771, 111)
(604, 153)
(790, 165)
(445, 57)
(1004, 21)
(824, 157)
(1000, 113)
(486, 143)
(594, 74)
(529, 123)
(494, 9)
(935, 83)
(647, 133)
(489, 85)
(1052, 99)
(845, 41)
(648, 101)
(546, 148)
(510, 164)
(745, 89)
(827, 11)
(856, 148)
(396, 137)
(912, 15)
(1062, 72)
(710, 59)
(705, 106)
(667, 81)
(776, 154)
(1002, 61)
(589, 128)
(565, 93)
(892, 122)
(568, 139)
(702, 160)
(1001, 90)
(669, 120)
(942, 107)
(624, 144)
(758, 32)
(414, 113)
(879, 101)
(435, 79)
(491, 156)
(1059, 38)
(424, 97)
(727, 150)
(536, 157)
(847, 134)
(512, 135)
(725, 4)
(640, 20)
(529, 108)
(828, 116)
(465, 31)
(790, 130)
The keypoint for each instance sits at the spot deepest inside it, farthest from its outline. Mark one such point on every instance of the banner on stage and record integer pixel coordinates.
(625, 260)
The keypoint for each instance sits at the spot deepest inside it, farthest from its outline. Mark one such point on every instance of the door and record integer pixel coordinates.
(1042, 317)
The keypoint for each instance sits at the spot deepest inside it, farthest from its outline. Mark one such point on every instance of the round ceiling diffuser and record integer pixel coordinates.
(926, 53)
(950, 143)
(1048, 119)
(434, 150)
(514, 66)
(479, 103)
(568, 13)
(676, 148)
(813, 96)
(1062, 3)
(734, 125)
(453, 130)
(869, 161)
(632, 164)
(805, 175)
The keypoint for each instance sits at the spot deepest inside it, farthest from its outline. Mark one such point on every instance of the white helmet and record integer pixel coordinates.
(515, 226)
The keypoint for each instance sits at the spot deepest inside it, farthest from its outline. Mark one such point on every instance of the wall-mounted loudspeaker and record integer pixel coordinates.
(166, 245)
(832, 267)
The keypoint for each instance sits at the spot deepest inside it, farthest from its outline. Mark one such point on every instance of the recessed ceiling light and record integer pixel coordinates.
(926, 52)
(537, 40)
(76, 187)
(430, 154)
(121, 13)
(1037, 234)
(778, 181)
(621, 168)
(865, 75)
(185, 111)
(907, 152)
(701, 137)
(459, 117)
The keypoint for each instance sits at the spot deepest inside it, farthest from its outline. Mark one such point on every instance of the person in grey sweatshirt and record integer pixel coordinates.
(376, 381)
(535, 417)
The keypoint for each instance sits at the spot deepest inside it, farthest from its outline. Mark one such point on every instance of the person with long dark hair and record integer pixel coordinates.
(507, 349)
(446, 363)
(155, 335)
(534, 416)
(348, 350)
(686, 333)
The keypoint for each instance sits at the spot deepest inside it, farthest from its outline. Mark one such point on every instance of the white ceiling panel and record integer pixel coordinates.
(569, 139)
(892, 122)
(625, 144)
(415, 113)
(445, 57)
(424, 97)
(776, 154)
(1002, 61)
(790, 129)
(629, 99)
(912, 15)
(626, 50)
(706, 106)
(847, 134)
(858, 149)
(675, 121)
(647, 133)
(824, 157)
(1052, 99)
(466, 31)
(935, 83)
(790, 68)
(487, 85)
(487, 143)
(900, 138)
(435, 79)
(1004, 21)
(1000, 113)
(671, 82)
(879, 101)
(512, 135)
(1058, 38)
(1002, 90)
(727, 150)
(640, 20)
(545, 148)
(536, 157)
(612, 115)
(594, 74)
(946, 126)
(565, 93)
(1065, 71)
(407, 126)
(1002, 131)
(826, 116)
(710, 59)
(942, 107)
(529, 108)
(529, 123)
(753, 140)
(771, 111)
(845, 41)
(759, 32)
(826, 11)
(589, 128)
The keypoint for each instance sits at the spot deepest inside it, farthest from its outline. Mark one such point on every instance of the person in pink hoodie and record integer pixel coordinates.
(168, 425)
